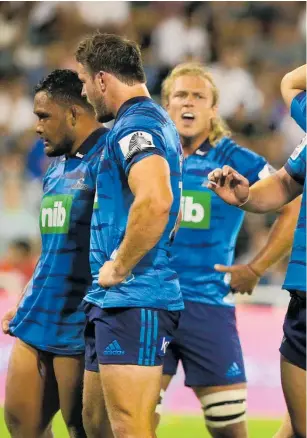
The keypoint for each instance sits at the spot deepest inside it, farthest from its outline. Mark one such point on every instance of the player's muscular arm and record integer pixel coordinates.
(149, 181)
(244, 278)
(293, 83)
(280, 239)
(272, 193)
(268, 194)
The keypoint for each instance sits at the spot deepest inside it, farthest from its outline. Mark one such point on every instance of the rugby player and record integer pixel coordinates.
(46, 367)
(207, 340)
(293, 90)
(134, 304)
(271, 194)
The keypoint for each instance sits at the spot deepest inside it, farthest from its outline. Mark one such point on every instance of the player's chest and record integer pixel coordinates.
(69, 177)
(199, 204)
(68, 198)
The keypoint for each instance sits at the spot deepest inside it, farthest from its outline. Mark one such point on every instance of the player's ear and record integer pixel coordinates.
(74, 114)
(101, 77)
(214, 111)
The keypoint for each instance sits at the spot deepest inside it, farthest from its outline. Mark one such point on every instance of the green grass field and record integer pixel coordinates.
(174, 427)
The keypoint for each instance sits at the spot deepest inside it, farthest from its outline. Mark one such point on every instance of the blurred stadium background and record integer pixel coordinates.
(248, 46)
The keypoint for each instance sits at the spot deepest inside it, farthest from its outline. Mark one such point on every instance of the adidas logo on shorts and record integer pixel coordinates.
(233, 370)
(113, 349)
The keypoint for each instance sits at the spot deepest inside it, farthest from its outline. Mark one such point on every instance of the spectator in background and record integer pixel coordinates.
(179, 36)
(19, 260)
(19, 201)
(16, 111)
(239, 95)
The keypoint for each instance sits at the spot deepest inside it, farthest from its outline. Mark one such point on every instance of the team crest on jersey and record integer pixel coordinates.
(299, 148)
(136, 142)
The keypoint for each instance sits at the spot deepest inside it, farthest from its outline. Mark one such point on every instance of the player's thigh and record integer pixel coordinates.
(293, 381)
(31, 388)
(131, 389)
(131, 344)
(69, 371)
(95, 415)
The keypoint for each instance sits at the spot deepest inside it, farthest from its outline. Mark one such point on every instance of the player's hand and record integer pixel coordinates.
(7, 318)
(109, 274)
(243, 277)
(230, 185)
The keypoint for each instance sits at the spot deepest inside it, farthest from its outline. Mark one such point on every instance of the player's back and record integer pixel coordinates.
(209, 228)
(50, 316)
(142, 128)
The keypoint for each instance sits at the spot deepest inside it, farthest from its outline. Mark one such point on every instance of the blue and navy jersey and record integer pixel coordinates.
(50, 316)
(209, 227)
(298, 109)
(296, 272)
(142, 128)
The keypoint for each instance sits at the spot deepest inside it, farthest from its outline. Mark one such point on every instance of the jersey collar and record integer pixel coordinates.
(89, 142)
(204, 148)
(128, 104)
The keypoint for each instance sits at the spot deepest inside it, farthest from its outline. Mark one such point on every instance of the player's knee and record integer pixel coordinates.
(91, 418)
(12, 421)
(225, 410)
(19, 426)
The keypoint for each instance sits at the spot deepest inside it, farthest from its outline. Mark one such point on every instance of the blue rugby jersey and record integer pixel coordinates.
(209, 229)
(50, 316)
(296, 272)
(298, 109)
(142, 128)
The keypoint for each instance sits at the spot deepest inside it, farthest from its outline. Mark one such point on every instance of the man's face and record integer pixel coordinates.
(54, 125)
(190, 105)
(94, 91)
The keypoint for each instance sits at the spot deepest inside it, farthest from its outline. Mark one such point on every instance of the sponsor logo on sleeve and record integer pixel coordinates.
(266, 171)
(299, 148)
(135, 142)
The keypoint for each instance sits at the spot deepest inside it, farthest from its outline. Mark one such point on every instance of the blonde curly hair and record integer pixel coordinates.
(219, 128)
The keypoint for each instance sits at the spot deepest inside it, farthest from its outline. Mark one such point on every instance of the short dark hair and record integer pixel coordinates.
(65, 86)
(112, 54)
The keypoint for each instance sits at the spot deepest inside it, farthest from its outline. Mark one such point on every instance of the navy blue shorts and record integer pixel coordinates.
(134, 336)
(293, 346)
(207, 343)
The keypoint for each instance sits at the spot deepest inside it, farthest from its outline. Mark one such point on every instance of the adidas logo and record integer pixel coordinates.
(233, 370)
(113, 349)
(80, 185)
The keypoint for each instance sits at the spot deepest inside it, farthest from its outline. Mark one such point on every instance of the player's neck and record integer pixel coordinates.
(191, 144)
(87, 130)
(126, 92)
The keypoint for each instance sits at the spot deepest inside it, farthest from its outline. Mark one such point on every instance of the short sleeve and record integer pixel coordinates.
(134, 145)
(298, 109)
(251, 165)
(296, 164)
